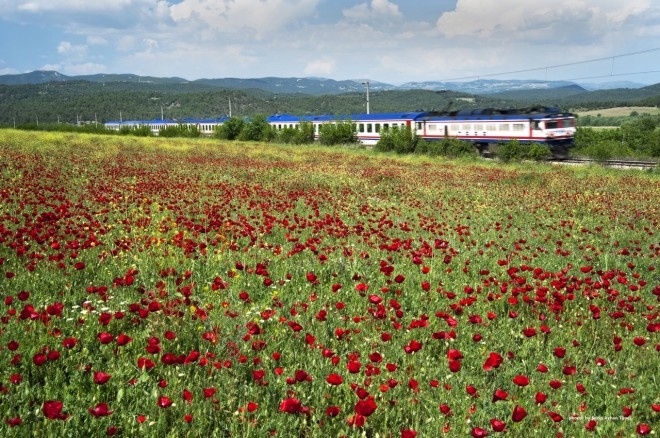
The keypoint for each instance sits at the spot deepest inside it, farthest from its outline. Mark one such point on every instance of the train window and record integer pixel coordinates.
(386, 126)
(377, 127)
(567, 123)
(455, 127)
(551, 124)
(518, 126)
(361, 128)
(479, 127)
(504, 126)
(491, 127)
(419, 125)
(369, 127)
(466, 127)
(431, 126)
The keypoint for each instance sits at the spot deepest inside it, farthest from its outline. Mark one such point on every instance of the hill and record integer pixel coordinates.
(53, 97)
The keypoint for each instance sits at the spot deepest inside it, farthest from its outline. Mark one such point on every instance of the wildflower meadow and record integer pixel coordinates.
(190, 287)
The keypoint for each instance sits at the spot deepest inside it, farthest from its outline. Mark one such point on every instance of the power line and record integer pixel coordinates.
(546, 68)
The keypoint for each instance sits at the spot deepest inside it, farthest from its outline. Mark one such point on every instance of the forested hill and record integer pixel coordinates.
(68, 101)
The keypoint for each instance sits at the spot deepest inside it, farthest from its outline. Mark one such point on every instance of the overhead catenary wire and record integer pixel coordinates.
(568, 64)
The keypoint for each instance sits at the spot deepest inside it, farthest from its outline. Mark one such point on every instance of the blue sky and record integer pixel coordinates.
(394, 41)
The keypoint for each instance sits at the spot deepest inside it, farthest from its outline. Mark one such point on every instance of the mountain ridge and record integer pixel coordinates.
(315, 85)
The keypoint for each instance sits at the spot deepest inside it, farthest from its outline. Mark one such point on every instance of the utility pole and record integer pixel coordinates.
(230, 107)
(162, 115)
(367, 84)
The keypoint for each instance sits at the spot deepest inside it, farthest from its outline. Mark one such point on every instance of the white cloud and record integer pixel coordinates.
(320, 67)
(66, 48)
(377, 10)
(241, 18)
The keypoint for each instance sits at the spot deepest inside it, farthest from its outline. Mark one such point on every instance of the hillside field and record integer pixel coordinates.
(171, 287)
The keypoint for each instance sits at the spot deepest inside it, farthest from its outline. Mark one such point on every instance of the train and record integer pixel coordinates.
(484, 128)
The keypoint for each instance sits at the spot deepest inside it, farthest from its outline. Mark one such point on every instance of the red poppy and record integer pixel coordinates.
(52, 410)
(643, 429)
(556, 417)
(365, 407)
(252, 406)
(334, 379)
(521, 380)
(105, 337)
(478, 432)
(408, 433)
(494, 361)
(518, 414)
(540, 398)
(499, 395)
(13, 422)
(591, 425)
(187, 396)
(454, 366)
(209, 392)
(101, 410)
(164, 402)
(291, 405)
(497, 425)
(69, 342)
(332, 411)
(101, 378)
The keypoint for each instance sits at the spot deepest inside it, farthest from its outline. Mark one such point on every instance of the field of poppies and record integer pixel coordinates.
(174, 288)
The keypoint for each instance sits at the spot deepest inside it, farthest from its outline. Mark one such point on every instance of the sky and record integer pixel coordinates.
(391, 41)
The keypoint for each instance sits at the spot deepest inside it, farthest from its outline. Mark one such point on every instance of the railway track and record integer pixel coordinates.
(619, 164)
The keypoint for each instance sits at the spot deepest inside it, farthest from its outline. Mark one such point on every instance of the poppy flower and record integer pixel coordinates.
(365, 407)
(101, 410)
(52, 409)
(332, 411)
(334, 379)
(540, 398)
(518, 414)
(521, 380)
(494, 361)
(164, 402)
(105, 337)
(101, 378)
(497, 425)
(643, 429)
(69, 342)
(252, 406)
(499, 395)
(408, 433)
(478, 432)
(13, 422)
(291, 405)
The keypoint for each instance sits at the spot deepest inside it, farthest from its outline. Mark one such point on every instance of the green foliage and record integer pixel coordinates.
(302, 134)
(401, 141)
(338, 132)
(180, 130)
(257, 129)
(537, 152)
(230, 130)
(510, 151)
(447, 147)
(136, 131)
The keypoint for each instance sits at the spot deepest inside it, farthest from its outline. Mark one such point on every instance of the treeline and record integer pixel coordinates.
(637, 138)
(77, 102)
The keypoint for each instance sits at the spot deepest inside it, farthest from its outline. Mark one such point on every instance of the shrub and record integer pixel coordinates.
(399, 140)
(257, 129)
(230, 130)
(339, 132)
(510, 151)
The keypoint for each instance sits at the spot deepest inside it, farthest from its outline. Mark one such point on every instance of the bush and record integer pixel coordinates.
(257, 129)
(302, 134)
(510, 151)
(537, 152)
(340, 132)
(180, 130)
(230, 130)
(401, 141)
